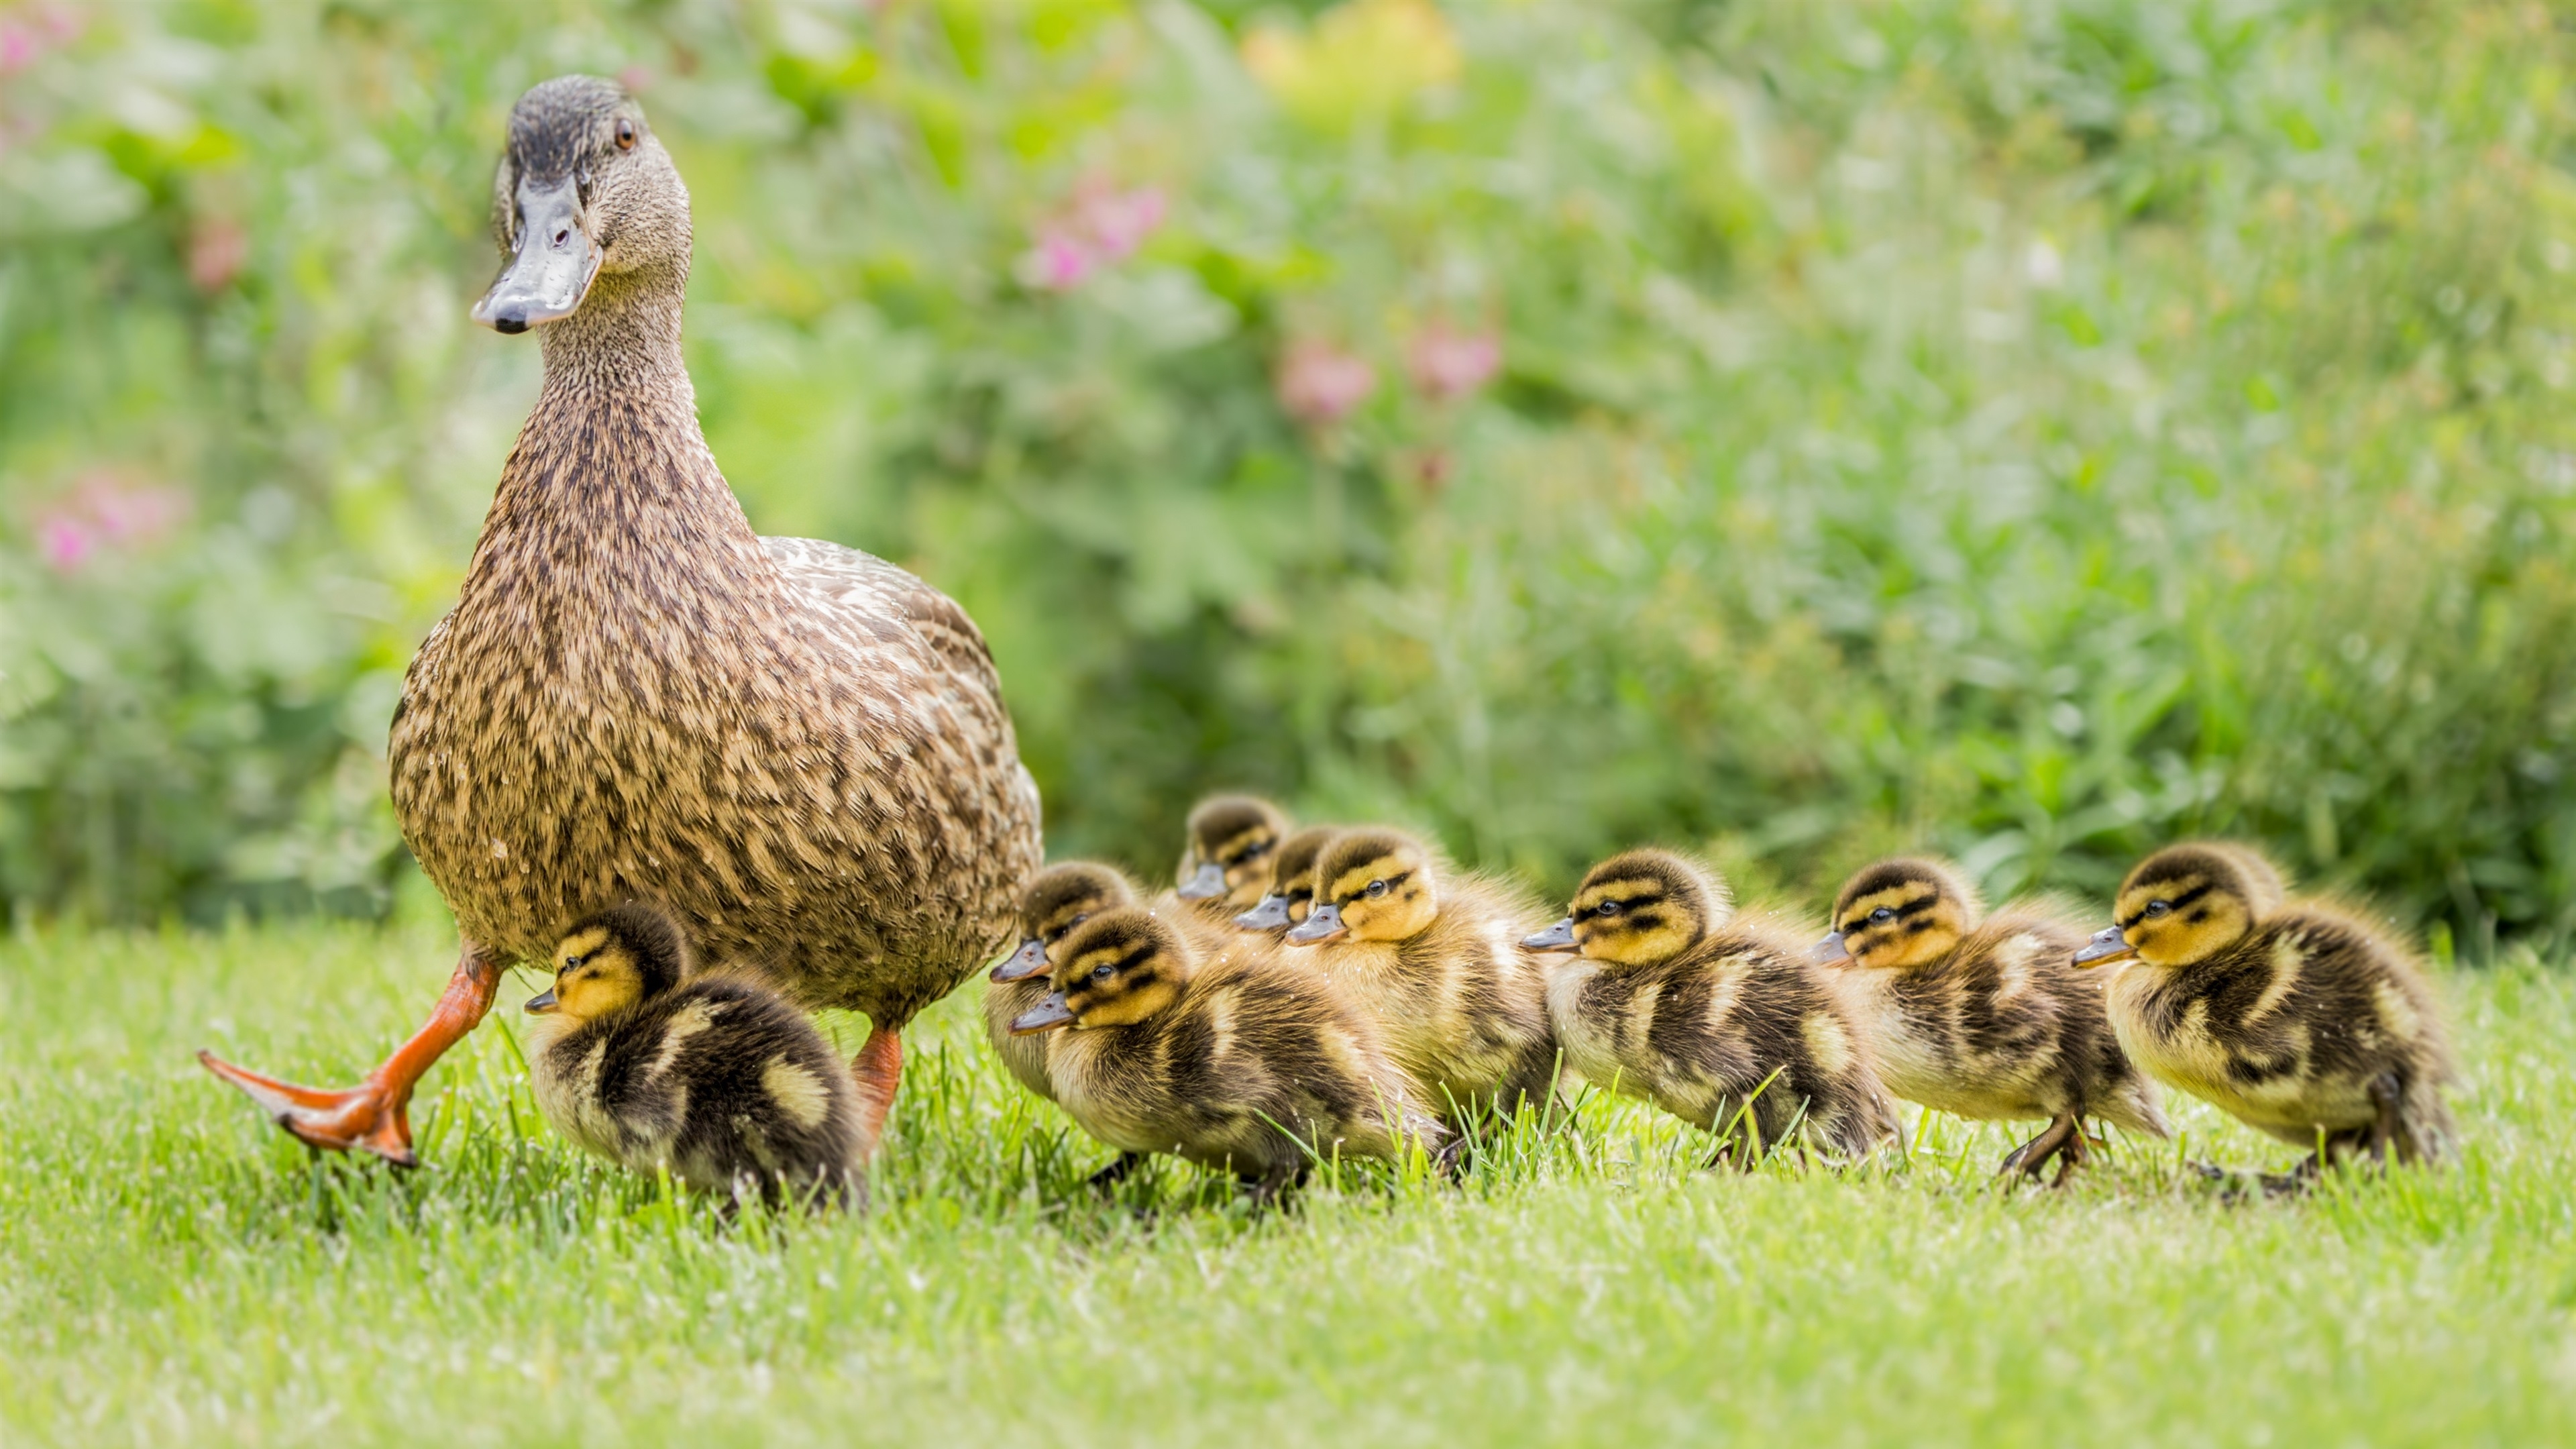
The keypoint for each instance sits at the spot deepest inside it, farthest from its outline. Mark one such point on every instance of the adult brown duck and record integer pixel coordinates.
(798, 748)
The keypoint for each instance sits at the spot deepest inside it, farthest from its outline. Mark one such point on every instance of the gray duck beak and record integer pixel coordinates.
(1559, 937)
(541, 1003)
(1206, 884)
(1830, 951)
(555, 265)
(1030, 960)
(1271, 914)
(1047, 1015)
(1324, 925)
(2108, 945)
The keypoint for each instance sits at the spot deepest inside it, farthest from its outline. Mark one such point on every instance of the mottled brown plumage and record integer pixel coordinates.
(2293, 1016)
(1983, 1018)
(800, 748)
(1717, 1019)
(1233, 1060)
(715, 1079)
(1433, 956)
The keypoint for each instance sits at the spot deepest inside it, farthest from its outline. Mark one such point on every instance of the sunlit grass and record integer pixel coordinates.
(173, 1270)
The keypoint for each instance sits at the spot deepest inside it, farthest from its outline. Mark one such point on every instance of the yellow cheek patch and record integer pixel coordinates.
(796, 1091)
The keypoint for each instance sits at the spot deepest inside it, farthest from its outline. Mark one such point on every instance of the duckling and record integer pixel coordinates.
(1226, 861)
(1292, 882)
(2294, 1017)
(1434, 961)
(1719, 1020)
(1232, 1061)
(715, 1078)
(1983, 1018)
(1052, 903)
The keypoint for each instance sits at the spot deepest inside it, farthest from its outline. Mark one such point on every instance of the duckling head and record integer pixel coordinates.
(1899, 915)
(1116, 969)
(1231, 838)
(1641, 908)
(584, 191)
(621, 956)
(1052, 903)
(1292, 882)
(2186, 903)
(1370, 885)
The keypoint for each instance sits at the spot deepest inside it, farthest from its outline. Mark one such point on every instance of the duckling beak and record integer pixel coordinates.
(2108, 945)
(542, 1003)
(1271, 914)
(1047, 1015)
(1559, 937)
(1324, 925)
(1020, 965)
(555, 265)
(1206, 884)
(1830, 951)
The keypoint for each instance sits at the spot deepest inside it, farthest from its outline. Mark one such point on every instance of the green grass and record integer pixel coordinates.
(172, 1270)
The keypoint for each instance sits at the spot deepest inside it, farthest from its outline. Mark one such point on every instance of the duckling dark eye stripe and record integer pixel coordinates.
(2176, 902)
(1129, 961)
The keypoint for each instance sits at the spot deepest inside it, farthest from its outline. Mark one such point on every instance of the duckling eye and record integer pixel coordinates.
(1882, 916)
(1103, 973)
(625, 135)
(1606, 908)
(573, 961)
(2159, 908)
(1377, 890)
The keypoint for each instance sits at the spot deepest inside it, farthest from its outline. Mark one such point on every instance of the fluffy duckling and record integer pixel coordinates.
(1226, 861)
(1983, 1018)
(1211, 1058)
(2294, 1017)
(716, 1079)
(1435, 962)
(1718, 1020)
(1052, 903)
(1292, 882)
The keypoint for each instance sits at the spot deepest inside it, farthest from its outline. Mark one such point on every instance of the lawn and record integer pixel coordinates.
(173, 1270)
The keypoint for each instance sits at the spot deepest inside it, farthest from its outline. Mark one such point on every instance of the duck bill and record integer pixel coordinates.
(1047, 1015)
(2108, 945)
(1325, 924)
(1029, 960)
(1270, 914)
(554, 267)
(1559, 937)
(543, 1003)
(1830, 951)
(1205, 884)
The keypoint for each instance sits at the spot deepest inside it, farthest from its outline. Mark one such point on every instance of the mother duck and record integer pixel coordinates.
(799, 748)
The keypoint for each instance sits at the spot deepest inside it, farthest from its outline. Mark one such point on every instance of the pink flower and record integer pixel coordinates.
(1447, 364)
(1098, 227)
(102, 512)
(216, 252)
(18, 48)
(1319, 384)
(635, 80)
(65, 542)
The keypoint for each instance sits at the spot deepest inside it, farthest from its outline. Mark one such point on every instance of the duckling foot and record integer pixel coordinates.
(879, 1070)
(376, 1114)
(2062, 1139)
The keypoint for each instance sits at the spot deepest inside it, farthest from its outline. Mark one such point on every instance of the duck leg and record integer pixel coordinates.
(2390, 1128)
(376, 1114)
(879, 1070)
(2063, 1136)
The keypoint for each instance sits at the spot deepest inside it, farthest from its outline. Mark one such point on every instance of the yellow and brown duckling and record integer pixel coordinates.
(1225, 863)
(1291, 893)
(1984, 1018)
(1052, 903)
(2294, 1017)
(715, 1078)
(1234, 1061)
(1721, 1021)
(1433, 956)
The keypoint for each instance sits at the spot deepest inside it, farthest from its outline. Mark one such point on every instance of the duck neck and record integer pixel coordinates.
(622, 345)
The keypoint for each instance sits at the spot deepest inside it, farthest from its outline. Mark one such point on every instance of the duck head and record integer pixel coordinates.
(1054, 901)
(1292, 882)
(1370, 885)
(2186, 903)
(1118, 968)
(1640, 908)
(621, 956)
(1899, 915)
(584, 192)
(1227, 857)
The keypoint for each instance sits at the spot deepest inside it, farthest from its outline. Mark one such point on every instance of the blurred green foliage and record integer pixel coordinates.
(2031, 430)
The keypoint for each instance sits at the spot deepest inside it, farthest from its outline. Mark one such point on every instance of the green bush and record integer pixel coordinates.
(2029, 430)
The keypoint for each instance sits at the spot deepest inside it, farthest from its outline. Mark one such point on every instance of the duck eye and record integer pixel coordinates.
(625, 135)
(1103, 973)
(1606, 908)
(1881, 916)
(2159, 908)
(1377, 890)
